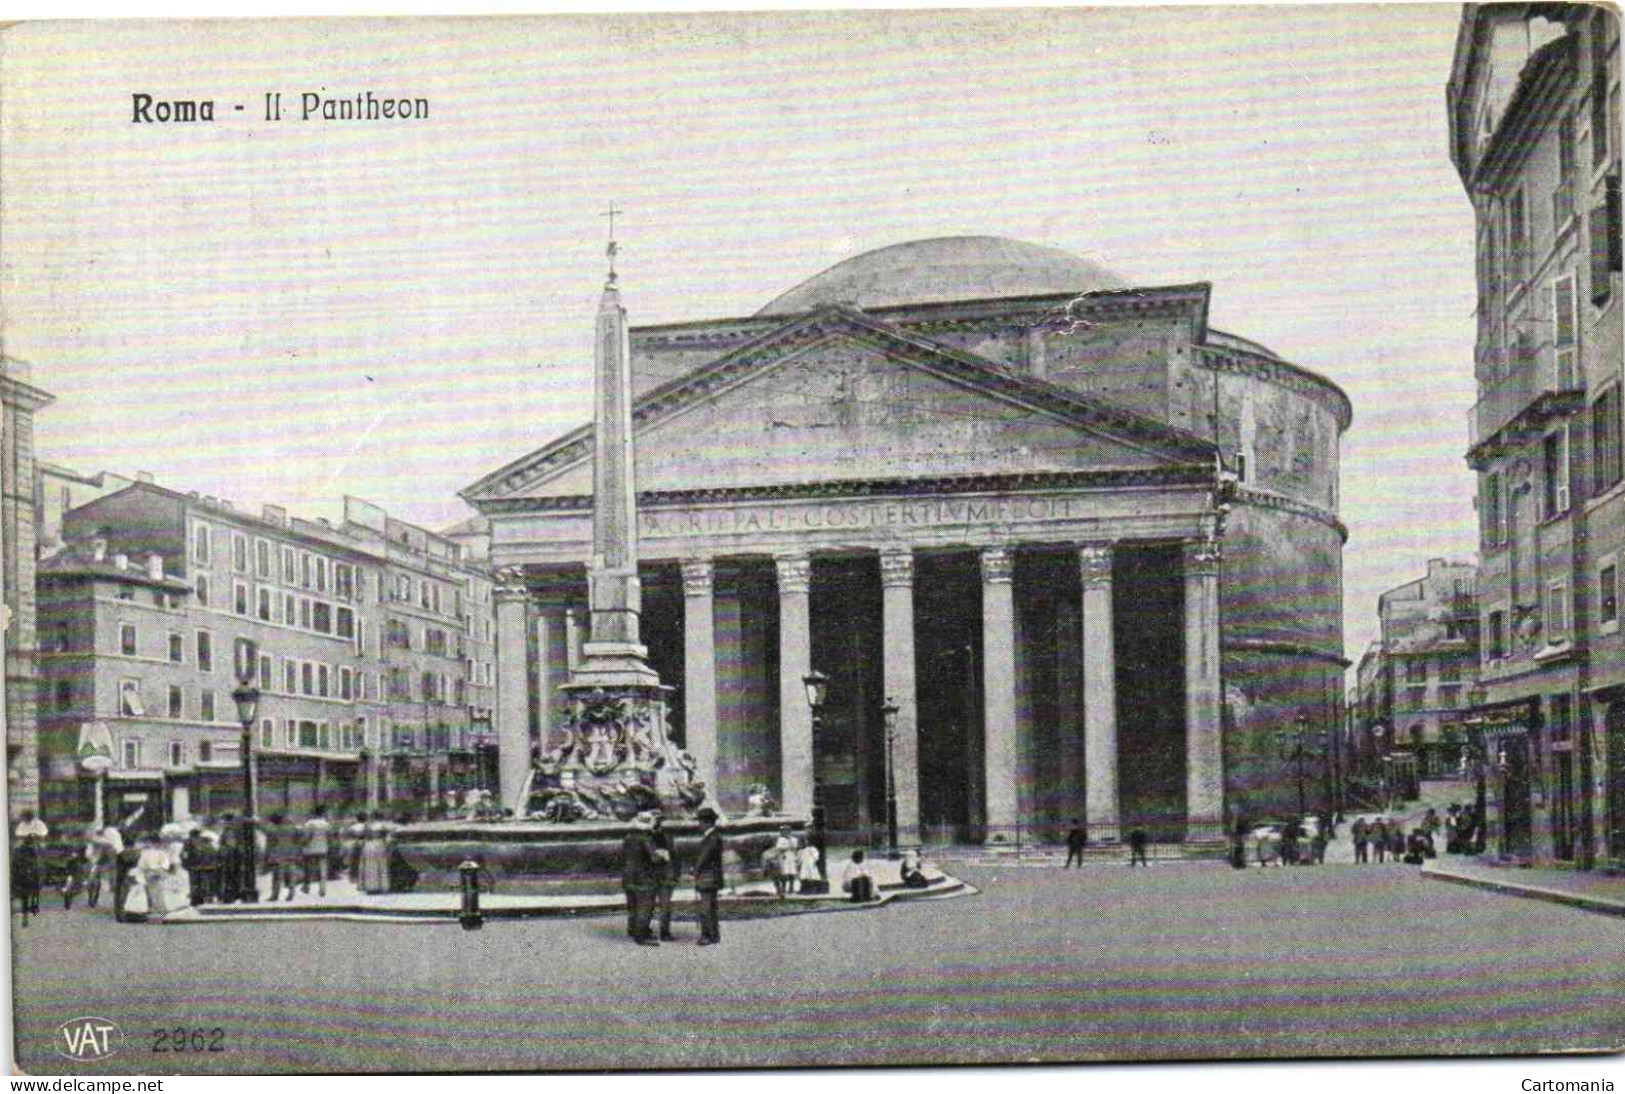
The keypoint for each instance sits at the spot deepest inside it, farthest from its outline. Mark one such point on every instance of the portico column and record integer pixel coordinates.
(700, 669)
(795, 661)
(513, 690)
(1099, 694)
(999, 692)
(1204, 747)
(897, 615)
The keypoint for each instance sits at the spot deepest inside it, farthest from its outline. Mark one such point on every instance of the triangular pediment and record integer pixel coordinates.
(836, 395)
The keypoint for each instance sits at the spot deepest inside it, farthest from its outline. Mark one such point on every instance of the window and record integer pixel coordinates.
(177, 648)
(343, 581)
(322, 681)
(289, 614)
(290, 733)
(1563, 327)
(304, 613)
(307, 567)
(1599, 88)
(1605, 444)
(292, 676)
(360, 635)
(206, 705)
(322, 617)
(131, 747)
(1490, 508)
(239, 552)
(321, 574)
(363, 739)
(323, 740)
(423, 594)
(290, 569)
(434, 640)
(262, 559)
(1555, 458)
(346, 623)
(1450, 671)
(267, 678)
(307, 734)
(205, 751)
(239, 598)
(1517, 230)
(1605, 242)
(398, 634)
(307, 678)
(1450, 697)
(1563, 195)
(267, 733)
(264, 603)
(435, 597)
(205, 652)
(1608, 596)
(126, 639)
(200, 543)
(1496, 647)
(346, 682)
(1416, 670)
(176, 701)
(1557, 613)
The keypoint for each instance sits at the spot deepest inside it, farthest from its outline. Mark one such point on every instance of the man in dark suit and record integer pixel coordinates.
(708, 876)
(665, 876)
(639, 877)
(1076, 840)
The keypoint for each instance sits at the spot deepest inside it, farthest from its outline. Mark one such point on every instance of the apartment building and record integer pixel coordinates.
(1534, 114)
(147, 617)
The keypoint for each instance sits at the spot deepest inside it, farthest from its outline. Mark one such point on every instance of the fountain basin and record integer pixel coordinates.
(584, 857)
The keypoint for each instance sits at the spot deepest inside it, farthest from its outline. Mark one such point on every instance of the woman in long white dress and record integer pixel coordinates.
(375, 857)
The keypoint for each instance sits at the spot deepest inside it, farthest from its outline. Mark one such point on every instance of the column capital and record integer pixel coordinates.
(998, 566)
(1202, 556)
(1095, 559)
(794, 573)
(697, 577)
(896, 569)
(510, 585)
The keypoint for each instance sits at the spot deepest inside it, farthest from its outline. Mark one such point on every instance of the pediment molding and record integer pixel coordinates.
(763, 353)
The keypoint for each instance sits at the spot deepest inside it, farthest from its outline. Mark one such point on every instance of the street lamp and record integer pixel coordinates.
(888, 714)
(817, 685)
(247, 698)
(1294, 745)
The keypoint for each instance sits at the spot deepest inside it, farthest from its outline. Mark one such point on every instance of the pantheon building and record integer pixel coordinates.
(1086, 545)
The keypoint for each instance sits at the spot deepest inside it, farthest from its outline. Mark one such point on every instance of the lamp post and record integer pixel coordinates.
(247, 698)
(817, 685)
(1294, 746)
(888, 714)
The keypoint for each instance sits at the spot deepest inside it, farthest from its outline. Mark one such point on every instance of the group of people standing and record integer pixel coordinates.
(208, 860)
(649, 874)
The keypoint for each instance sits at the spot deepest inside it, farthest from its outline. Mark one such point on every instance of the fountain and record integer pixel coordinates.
(614, 757)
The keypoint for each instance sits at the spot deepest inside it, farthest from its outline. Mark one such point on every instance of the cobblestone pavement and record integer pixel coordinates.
(1181, 960)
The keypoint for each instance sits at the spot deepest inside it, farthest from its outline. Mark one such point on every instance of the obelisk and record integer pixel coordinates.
(617, 753)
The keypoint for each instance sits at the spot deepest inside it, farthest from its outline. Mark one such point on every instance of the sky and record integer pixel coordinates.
(288, 312)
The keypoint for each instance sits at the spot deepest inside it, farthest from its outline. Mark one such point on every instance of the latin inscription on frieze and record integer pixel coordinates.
(856, 516)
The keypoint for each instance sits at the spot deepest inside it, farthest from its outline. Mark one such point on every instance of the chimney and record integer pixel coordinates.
(209, 501)
(275, 514)
(121, 561)
(155, 566)
(98, 550)
(145, 476)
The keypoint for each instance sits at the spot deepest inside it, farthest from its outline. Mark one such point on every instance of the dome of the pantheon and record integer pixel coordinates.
(928, 271)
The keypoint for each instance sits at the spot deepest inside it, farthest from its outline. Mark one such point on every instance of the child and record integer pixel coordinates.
(855, 879)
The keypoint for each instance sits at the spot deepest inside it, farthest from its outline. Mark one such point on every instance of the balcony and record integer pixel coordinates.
(1516, 408)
